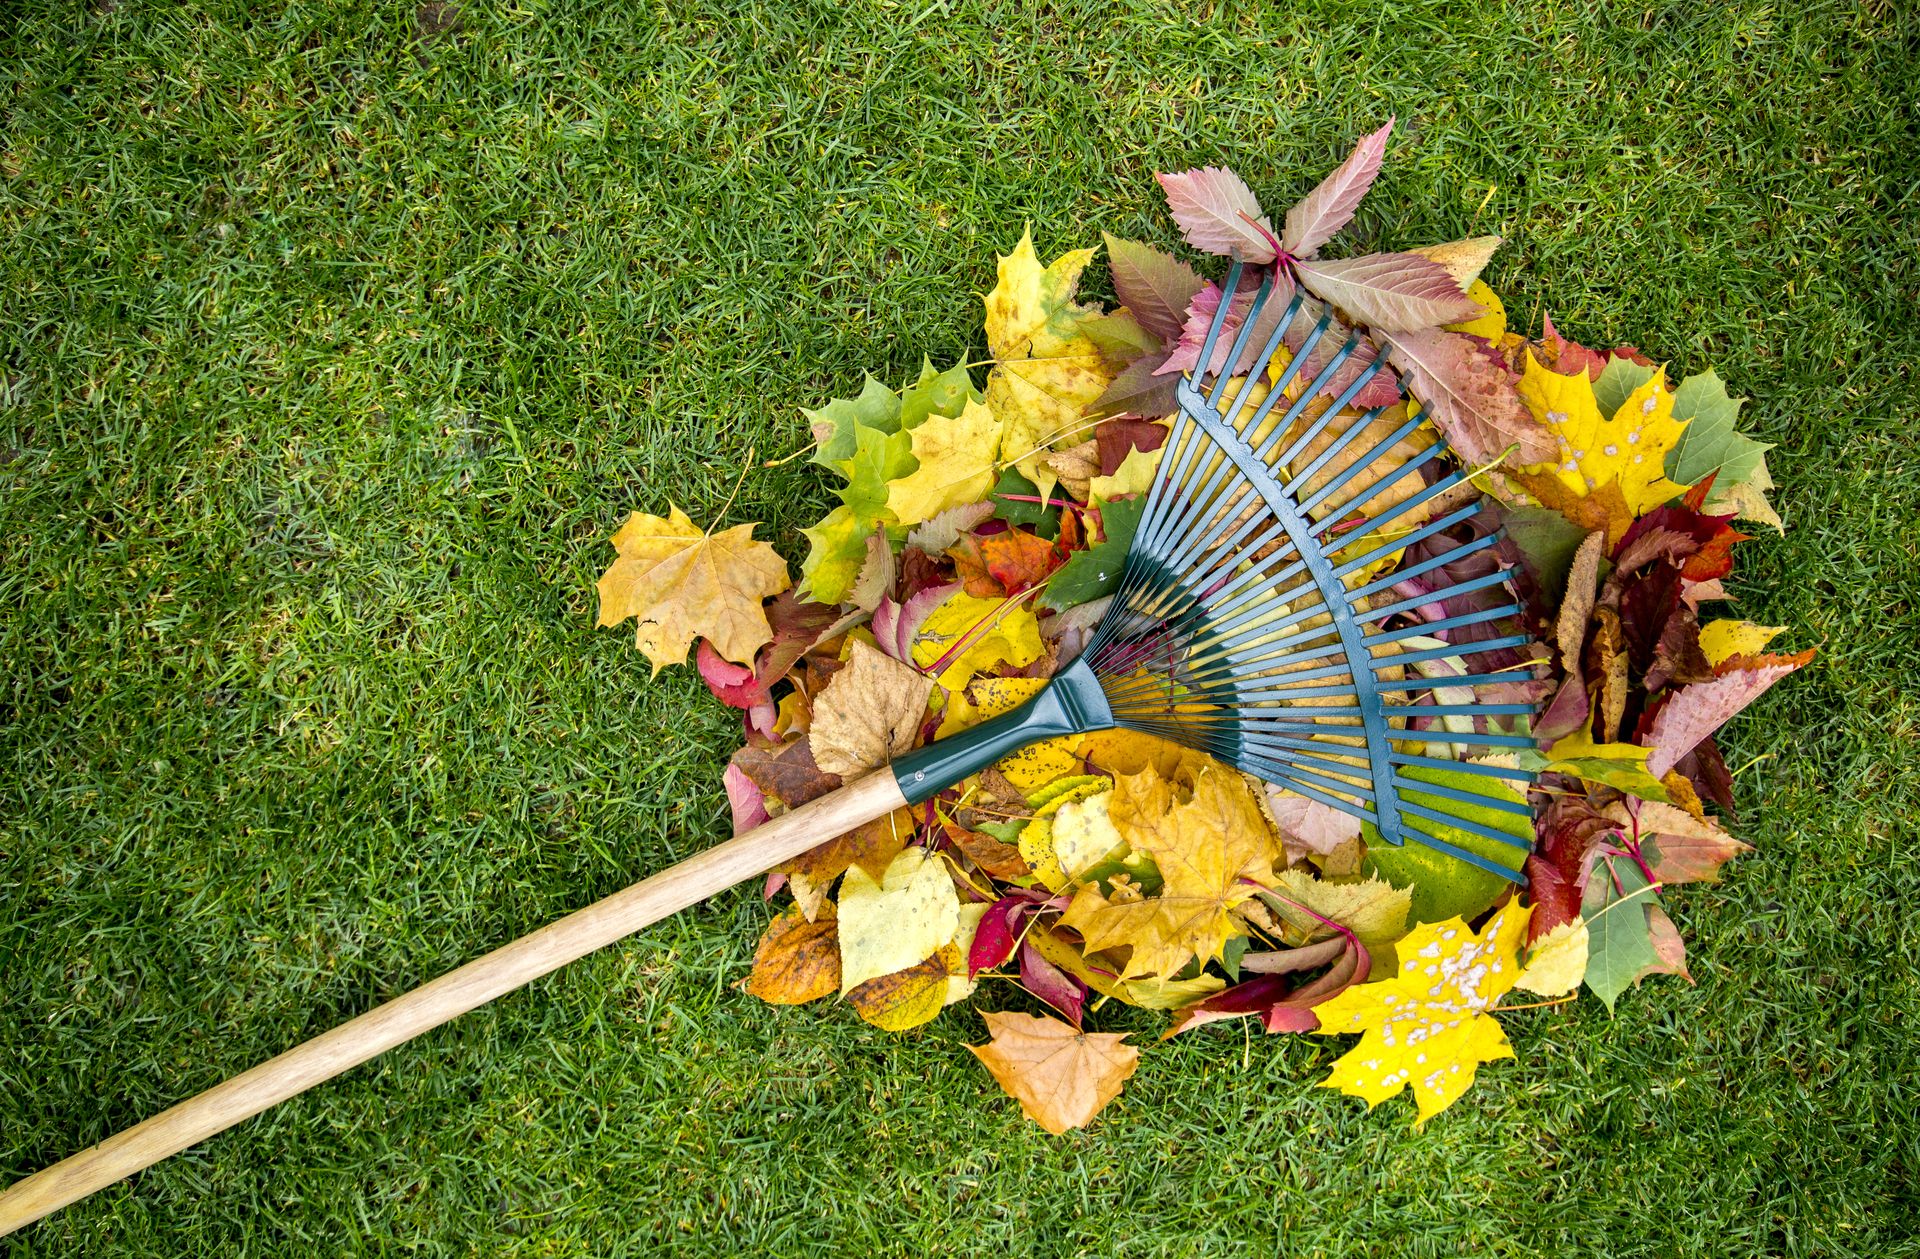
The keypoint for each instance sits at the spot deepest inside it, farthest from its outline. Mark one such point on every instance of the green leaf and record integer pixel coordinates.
(1096, 570)
(1120, 337)
(877, 407)
(1618, 379)
(1444, 886)
(937, 393)
(837, 547)
(1546, 541)
(1711, 446)
(1619, 931)
(878, 457)
(1045, 520)
(1005, 832)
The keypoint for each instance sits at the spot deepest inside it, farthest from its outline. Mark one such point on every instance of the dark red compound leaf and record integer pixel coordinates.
(1064, 992)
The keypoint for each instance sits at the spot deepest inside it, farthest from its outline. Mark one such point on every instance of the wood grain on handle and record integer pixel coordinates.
(447, 997)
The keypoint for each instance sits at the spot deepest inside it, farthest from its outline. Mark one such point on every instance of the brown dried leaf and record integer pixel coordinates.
(797, 960)
(1061, 1077)
(868, 713)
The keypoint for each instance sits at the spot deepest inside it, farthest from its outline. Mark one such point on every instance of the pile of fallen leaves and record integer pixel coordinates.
(977, 535)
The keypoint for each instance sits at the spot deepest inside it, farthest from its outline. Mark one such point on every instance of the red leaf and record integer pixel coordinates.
(1699, 709)
(1217, 212)
(1471, 396)
(1155, 286)
(1569, 358)
(1065, 993)
(1118, 437)
(1330, 206)
(1390, 292)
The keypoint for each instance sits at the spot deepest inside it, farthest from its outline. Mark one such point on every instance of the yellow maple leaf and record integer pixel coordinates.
(1008, 635)
(1213, 849)
(680, 584)
(1428, 1025)
(1133, 476)
(1047, 370)
(1628, 449)
(957, 464)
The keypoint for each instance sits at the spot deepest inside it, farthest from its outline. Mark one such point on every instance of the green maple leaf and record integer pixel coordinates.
(1712, 447)
(834, 425)
(878, 457)
(937, 393)
(1618, 379)
(1045, 520)
(1096, 570)
(1619, 930)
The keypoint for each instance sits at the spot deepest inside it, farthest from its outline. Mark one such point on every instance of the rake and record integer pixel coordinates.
(1247, 624)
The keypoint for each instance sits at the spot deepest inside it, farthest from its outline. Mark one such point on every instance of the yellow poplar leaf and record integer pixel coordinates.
(1013, 637)
(957, 465)
(1373, 909)
(868, 712)
(1722, 640)
(1120, 751)
(1493, 324)
(907, 998)
(1062, 1077)
(1214, 851)
(1428, 1025)
(1557, 964)
(1628, 450)
(897, 922)
(681, 584)
(797, 961)
(1047, 370)
(1133, 476)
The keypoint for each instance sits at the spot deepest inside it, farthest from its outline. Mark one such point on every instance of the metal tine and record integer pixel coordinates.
(1353, 469)
(1519, 808)
(1239, 343)
(1469, 767)
(1469, 679)
(1353, 507)
(1430, 628)
(1228, 288)
(1262, 359)
(1420, 836)
(1441, 653)
(1408, 604)
(1425, 566)
(1418, 535)
(1466, 824)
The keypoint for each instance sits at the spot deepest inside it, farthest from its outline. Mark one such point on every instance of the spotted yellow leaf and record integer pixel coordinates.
(1627, 449)
(1427, 1027)
(1007, 635)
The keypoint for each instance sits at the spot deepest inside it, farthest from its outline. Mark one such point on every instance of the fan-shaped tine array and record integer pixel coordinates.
(1249, 621)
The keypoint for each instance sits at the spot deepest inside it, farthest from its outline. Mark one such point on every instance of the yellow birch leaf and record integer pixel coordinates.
(1722, 640)
(681, 584)
(957, 465)
(1428, 1025)
(797, 961)
(960, 984)
(1047, 370)
(1493, 324)
(897, 922)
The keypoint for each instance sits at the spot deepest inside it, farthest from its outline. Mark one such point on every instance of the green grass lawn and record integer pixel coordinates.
(337, 337)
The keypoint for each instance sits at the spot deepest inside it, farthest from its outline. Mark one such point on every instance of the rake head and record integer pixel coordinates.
(1249, 620)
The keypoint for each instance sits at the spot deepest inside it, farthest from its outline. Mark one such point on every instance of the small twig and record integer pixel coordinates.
(737, 485)
(1533, 1005)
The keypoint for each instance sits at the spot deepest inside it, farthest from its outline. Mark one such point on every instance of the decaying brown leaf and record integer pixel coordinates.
(868, 713)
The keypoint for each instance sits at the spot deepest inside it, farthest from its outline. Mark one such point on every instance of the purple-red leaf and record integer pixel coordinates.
(1217, 212)
(1470, 395)
(1390, 292)
(1328, 208)
(1699, 709)
(1064, 992)
(1154, 285)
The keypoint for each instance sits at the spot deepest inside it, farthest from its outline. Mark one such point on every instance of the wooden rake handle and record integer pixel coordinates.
(447, 997)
